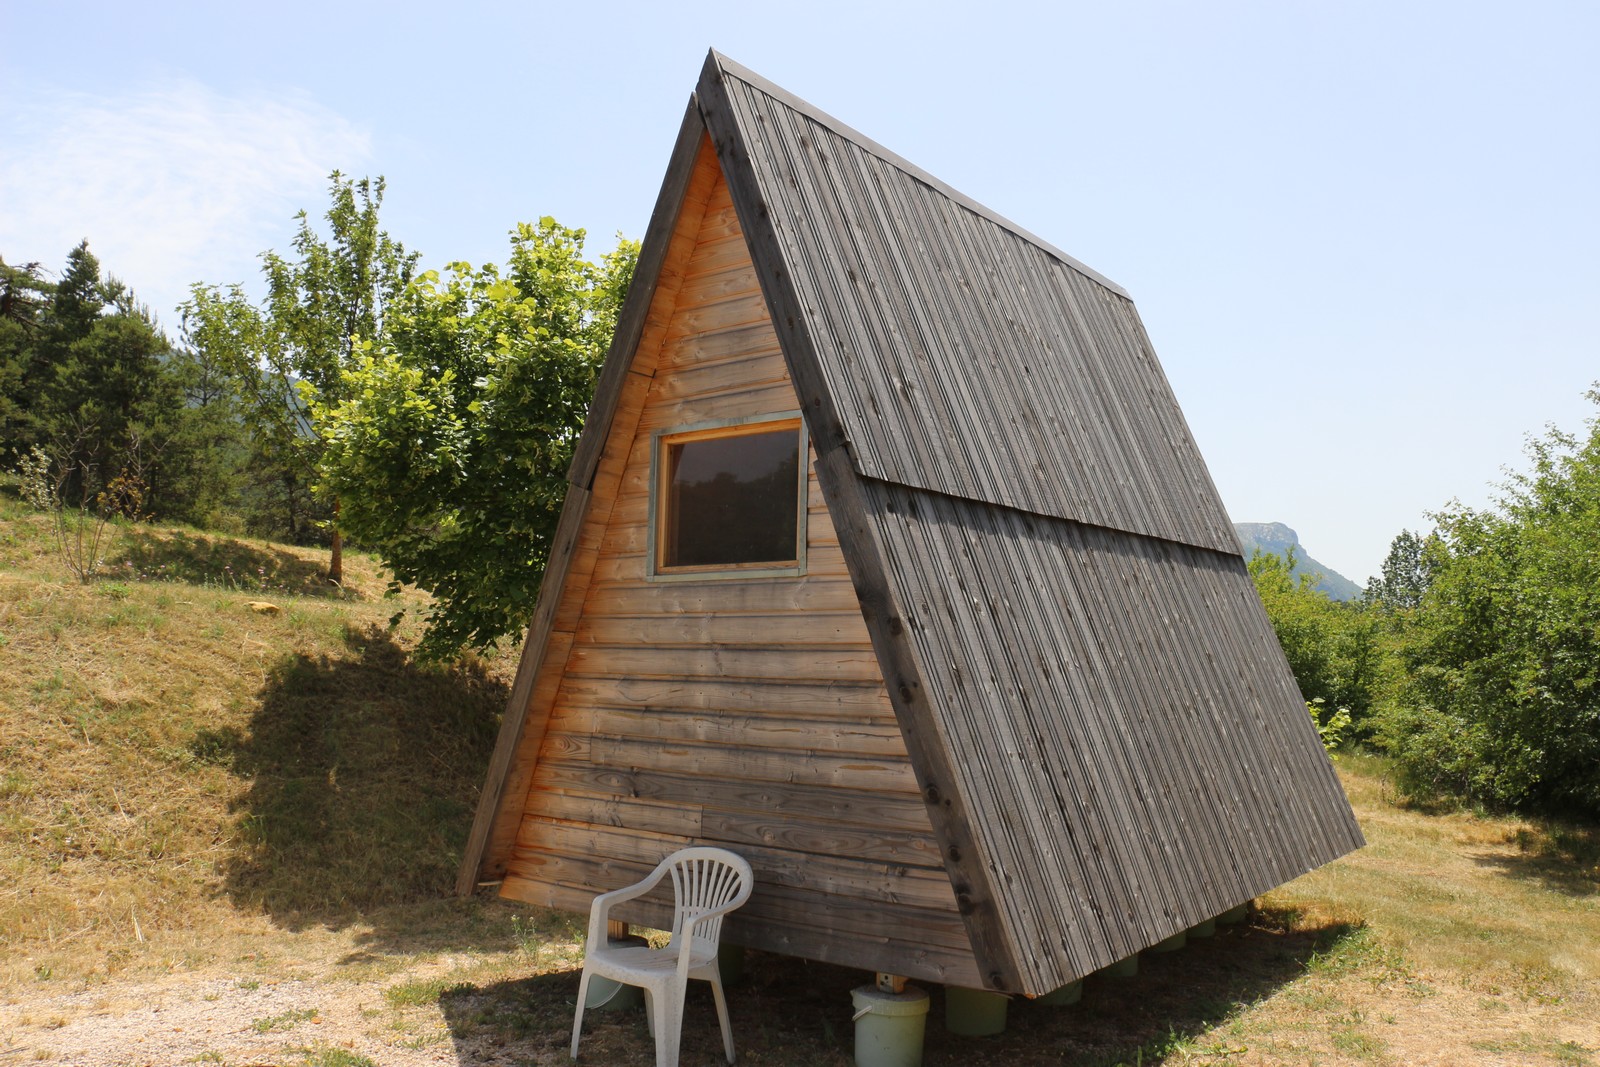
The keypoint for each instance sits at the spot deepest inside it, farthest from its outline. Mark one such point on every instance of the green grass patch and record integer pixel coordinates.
(287, 1021)
(173, 760)
(333, 1056)
(421, 993)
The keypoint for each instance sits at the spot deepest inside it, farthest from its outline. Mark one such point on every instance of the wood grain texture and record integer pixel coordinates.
(748, 713)
(1023, 715)
(1084, 676)
(932, 758)
(969, 359)
(599, 456)
(1130, 729)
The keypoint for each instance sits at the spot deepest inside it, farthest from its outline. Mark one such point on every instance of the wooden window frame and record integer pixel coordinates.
(661, 440)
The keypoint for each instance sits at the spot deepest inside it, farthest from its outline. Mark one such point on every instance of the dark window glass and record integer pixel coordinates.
(732, 500)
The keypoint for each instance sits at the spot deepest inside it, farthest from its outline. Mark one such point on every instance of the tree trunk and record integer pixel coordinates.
(336, 551)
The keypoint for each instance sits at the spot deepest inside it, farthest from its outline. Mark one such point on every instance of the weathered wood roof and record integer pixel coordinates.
(965, 356)
(1107, 738)
(1106, 732)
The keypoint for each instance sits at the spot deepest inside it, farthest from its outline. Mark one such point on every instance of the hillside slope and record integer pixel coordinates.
(173, 758)
(1277, 539)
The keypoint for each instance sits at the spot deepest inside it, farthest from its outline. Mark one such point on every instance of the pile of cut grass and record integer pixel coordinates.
(174, 761)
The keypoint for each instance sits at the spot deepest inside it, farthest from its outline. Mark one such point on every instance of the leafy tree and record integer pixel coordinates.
(85, 372)
(1334, 649)
(24, 298)
(289, 356)
(1502, 697)
(206, 450)
(449, 438)
(1405, 576)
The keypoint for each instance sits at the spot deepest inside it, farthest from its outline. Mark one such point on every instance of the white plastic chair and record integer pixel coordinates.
(707, 883)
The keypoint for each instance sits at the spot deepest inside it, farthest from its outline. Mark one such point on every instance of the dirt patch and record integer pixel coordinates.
(1259, 995)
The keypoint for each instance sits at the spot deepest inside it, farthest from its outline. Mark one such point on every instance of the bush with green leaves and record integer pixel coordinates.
(1335, 649)
(1501, 699)
(448, 440)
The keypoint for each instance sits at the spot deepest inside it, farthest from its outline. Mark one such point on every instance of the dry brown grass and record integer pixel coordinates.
(176, 768)
(246, 818)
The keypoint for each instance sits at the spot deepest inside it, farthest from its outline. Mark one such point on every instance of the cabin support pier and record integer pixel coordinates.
(974, 1012)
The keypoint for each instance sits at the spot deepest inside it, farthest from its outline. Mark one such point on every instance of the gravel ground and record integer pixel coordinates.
(204, 1020)
(194, 1019)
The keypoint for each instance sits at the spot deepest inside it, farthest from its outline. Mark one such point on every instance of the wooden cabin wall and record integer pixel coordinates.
(746, 713)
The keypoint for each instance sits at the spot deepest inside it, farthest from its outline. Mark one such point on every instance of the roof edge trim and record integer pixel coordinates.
(1045, 516)
(850, 133)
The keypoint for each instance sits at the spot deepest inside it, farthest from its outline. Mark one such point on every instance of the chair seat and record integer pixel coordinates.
(641, 965)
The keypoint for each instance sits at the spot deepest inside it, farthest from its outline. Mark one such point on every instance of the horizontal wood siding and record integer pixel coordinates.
(749, 713)
(965, 357)
(1126, 720)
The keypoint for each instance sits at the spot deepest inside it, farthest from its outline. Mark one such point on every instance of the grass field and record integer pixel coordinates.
(227, 836)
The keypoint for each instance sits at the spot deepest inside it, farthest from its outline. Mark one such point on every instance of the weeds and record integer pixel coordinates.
(420, 993)
(333, 1056)
(236, 788)
(134, 730)
(287, 1021)
(67, 487)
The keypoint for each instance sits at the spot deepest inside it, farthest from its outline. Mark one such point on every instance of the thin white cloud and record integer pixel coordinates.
(172, 184)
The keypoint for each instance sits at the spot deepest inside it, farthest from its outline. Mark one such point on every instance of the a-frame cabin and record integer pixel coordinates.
(889, 562)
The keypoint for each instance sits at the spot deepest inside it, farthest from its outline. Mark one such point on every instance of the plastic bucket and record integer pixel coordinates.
(1205, 929)
(974, 1012)
(1235, 914)
(889, 1026)
(608, 995)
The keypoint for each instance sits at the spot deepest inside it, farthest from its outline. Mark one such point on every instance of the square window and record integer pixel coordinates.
(730, 499)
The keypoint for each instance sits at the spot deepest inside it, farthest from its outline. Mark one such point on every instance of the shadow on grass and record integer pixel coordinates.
(1563, 858)
(792, 1013)
(363, 771)
(205, 559)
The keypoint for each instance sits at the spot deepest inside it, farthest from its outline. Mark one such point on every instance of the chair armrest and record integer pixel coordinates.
(600, 908)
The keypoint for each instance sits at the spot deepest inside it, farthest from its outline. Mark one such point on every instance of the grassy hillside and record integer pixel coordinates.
(173, 759)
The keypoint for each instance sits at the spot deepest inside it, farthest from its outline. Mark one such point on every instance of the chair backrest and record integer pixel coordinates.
(704, 878)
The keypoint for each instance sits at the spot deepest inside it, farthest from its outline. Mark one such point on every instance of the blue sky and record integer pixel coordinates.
(1364, 237)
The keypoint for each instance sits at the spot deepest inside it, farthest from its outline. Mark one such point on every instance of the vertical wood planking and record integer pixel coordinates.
(912, 290)
(1018, 492)
(1065, 641)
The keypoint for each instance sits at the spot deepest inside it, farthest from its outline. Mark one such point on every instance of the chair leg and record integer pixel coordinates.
(722, 1014)
(650, 1012)
(577, 1019)
(669, 1028)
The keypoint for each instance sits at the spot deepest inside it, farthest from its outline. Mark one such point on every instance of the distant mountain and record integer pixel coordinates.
(1276, 538)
